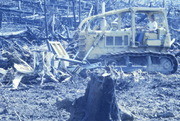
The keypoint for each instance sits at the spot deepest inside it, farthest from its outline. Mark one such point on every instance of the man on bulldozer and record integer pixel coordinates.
(151, 27)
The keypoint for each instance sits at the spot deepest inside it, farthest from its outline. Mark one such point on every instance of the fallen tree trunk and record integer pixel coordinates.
(12, 33)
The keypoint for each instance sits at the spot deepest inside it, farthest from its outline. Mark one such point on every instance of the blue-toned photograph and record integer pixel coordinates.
(89, 60)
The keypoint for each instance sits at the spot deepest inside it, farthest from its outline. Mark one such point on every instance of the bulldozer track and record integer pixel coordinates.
(166, 61)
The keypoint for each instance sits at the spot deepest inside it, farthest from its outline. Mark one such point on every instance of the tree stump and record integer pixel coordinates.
(99, 102)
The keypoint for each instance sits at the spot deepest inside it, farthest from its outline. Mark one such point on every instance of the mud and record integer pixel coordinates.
(148, 97)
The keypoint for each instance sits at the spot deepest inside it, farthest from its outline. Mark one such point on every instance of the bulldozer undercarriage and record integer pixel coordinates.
(146, 61)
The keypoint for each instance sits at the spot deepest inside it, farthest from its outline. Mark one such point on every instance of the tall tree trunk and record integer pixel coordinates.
(45, 19)
(19, 5)
(79, 11)
(164, 3)
(46, 25)
(74, 13)
(1, 17)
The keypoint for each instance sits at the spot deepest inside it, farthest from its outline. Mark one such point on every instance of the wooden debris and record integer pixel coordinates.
(19, 118)
(23, 68)
(12, 33)
(17, 80)
(3, 71)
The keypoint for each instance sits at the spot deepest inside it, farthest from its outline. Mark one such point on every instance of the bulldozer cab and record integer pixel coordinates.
(151, 37)
(121, 30)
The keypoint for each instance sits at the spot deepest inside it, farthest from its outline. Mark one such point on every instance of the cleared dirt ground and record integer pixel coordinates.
(148, 97)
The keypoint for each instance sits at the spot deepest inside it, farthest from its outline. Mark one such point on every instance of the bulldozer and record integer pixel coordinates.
(111, 38)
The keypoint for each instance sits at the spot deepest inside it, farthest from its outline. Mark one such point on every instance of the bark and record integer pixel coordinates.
(79, 11)
(1, 19)
(74, 13)
(99, 102)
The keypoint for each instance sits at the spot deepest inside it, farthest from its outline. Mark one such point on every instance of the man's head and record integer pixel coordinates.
(152, 18)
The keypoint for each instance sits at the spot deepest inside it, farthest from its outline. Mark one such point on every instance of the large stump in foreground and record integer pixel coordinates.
(99, 102)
